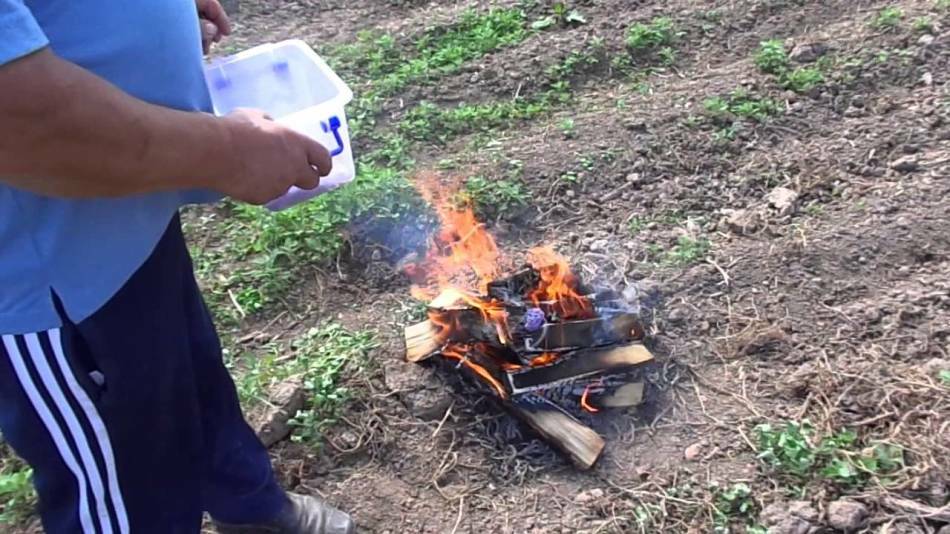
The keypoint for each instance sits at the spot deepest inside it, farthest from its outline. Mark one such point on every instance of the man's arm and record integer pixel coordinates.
(66, 132)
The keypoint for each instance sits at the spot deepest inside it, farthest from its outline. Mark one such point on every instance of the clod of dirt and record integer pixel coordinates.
(796, 517)
(272, 420)
(743, 221)
(693, 451)
(847, 515)
(807, 53)
(944, 530)
(760, 341)
(420, 389)
(783, 199)
(925, 40)
(590, 496)
(906, 164)
(933, 366)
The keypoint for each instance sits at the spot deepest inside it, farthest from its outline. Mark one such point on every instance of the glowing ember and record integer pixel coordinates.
(585, 403)
(545, 359)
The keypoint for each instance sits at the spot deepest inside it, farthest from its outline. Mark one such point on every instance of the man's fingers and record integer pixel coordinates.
(319, 157)
(209, 32)
(309, 179)
(212, 11)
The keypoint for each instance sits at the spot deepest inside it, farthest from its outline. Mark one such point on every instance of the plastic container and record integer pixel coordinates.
(290, 82)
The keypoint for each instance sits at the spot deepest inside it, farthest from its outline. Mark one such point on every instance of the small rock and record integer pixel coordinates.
(847, 515)
(853, 112)
(598, 245)
(906, 164)
(782, 198)
(570, 193)
(693, 451)
(925, 40)
(271, 420)
(797, 517)
(927, 79)
(589, 496)
(807, 53)
(634, 178)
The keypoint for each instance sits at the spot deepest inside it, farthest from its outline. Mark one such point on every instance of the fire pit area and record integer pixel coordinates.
(546, 347)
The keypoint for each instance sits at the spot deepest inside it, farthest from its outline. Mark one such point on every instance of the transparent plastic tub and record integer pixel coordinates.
(290, 82)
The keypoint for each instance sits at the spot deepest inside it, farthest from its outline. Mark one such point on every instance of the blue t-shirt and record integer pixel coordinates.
(85, 250)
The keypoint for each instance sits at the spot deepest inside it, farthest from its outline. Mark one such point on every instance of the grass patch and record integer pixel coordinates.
(17, 497)
(436, 53)
(888, 18)
(320, 358)
(942, 5)
(428, 122)
(771, 57)
(741, 104)
(269, 250)
(688, 250)
(794, 449)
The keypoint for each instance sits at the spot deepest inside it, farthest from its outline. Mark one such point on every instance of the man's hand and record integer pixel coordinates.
(271, 158)
(214, 22)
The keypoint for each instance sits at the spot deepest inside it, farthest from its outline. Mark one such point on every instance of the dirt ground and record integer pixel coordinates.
(833, 306)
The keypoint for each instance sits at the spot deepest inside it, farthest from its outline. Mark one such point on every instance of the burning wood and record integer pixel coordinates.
(528, 338)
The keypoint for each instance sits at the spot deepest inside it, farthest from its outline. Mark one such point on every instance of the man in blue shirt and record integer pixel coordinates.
(111, 380)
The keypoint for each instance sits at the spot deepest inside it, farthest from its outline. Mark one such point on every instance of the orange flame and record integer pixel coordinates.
(459, 353)
(585, 403)
(461, 246)
(559, 285)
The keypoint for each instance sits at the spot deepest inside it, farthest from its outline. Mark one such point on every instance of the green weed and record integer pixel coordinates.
(636, 225)
(923, 24)
(320, 359)
(494, 196)
(741, 104)
(944, 376)
(560, 14)
(657, 33)
(794, 449)
(734, 504)
(942, 5)
(688, 250)
(803, 80)
(17, 497)
(567, 127)
(771, 58)
(888, 18)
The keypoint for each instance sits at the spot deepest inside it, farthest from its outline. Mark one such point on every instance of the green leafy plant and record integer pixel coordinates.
(942, 5)
(688, 250)
(560, 14)
(734, 504)
(567, 127)
(657, 33)
(923, 24)
(741, 104)
(771, 58)
(17, 497)
(944, 376)
(494, 196)
(321, 359)
(888, 18)
(803, 80)
(841, 458)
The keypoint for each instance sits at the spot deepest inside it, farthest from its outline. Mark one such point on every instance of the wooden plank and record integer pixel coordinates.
(579, 442)
(579, 365)
(421, 341)
(625, 396)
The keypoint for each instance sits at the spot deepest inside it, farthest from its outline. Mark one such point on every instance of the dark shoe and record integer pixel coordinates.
(302, 515)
